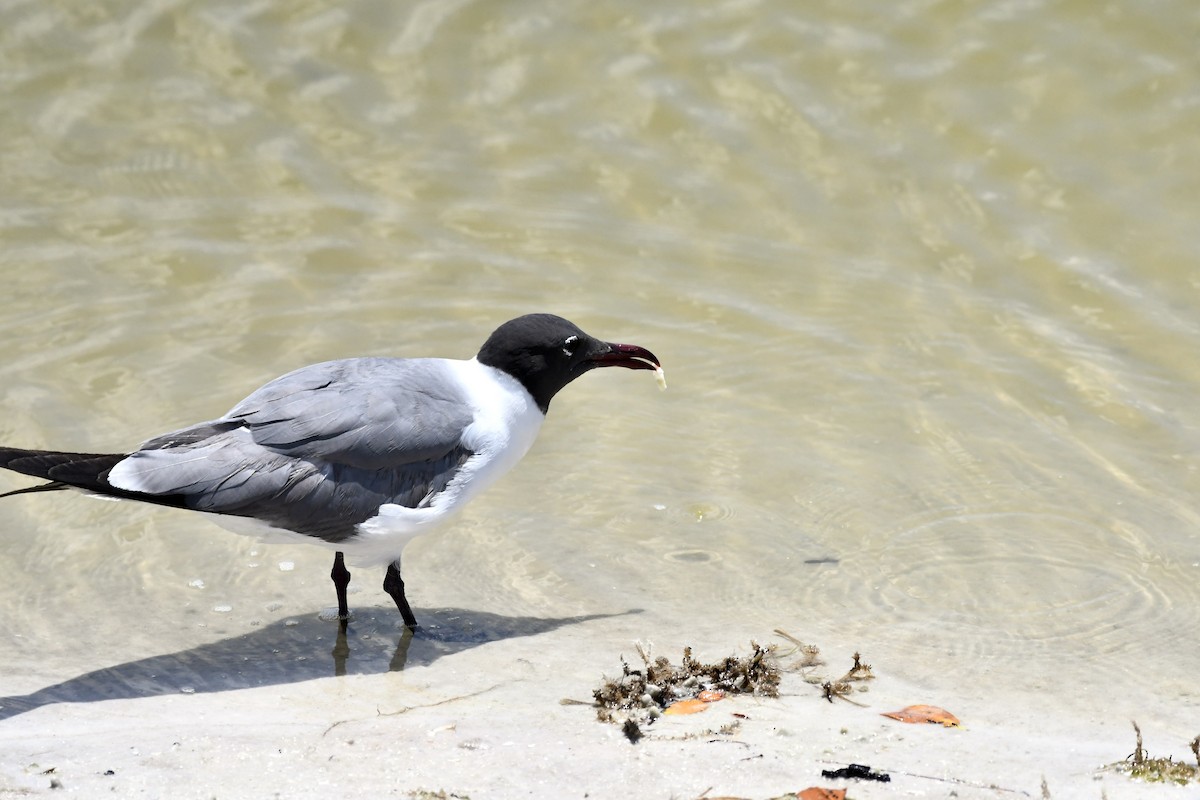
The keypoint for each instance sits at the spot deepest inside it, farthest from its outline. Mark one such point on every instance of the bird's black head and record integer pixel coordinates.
(545, 353)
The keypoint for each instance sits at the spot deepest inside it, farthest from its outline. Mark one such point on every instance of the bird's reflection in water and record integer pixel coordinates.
(288, 651)
(341, 649)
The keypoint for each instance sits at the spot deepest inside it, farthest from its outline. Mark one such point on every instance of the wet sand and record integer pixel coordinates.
(486, 719)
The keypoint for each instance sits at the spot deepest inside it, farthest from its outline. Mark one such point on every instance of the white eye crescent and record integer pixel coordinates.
(570, 344)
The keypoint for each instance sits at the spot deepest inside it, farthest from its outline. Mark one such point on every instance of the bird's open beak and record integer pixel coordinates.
(629, 356)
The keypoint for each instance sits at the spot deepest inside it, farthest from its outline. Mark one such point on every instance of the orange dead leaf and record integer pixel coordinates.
(932, 714)
(690, 706)
(695, 704)
(817, 793)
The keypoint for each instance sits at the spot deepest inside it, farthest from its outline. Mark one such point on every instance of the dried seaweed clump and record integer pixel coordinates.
(1140, 765)
(640, 695)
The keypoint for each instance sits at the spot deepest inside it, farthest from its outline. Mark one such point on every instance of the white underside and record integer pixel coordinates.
(365, 549)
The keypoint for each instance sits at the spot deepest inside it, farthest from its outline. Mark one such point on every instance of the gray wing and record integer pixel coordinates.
(318, 450)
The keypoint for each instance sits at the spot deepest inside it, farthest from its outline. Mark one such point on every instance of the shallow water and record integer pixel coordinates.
(922, 276)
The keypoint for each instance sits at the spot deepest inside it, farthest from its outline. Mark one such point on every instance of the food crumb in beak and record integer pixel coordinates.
(661, 378)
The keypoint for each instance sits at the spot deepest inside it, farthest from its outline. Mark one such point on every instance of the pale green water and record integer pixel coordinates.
(923, 275)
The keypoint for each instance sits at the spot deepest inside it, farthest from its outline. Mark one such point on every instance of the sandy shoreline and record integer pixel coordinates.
(486, 719)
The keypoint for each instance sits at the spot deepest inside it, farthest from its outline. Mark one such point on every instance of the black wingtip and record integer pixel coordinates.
(42, 487)
(84, 471)
(64, 470)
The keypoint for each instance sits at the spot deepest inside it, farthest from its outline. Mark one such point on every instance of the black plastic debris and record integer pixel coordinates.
(859, 772)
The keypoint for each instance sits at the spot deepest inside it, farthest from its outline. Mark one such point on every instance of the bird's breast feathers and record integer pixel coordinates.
(504, 427)
(505, 423)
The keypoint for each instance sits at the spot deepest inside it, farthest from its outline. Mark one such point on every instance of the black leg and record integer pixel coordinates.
(393, 584)
(341, 579)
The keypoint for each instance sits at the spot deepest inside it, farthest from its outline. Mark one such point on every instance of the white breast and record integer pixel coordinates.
(507, 421)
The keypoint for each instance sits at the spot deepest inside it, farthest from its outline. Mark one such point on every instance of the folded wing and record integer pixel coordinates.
(318, 450)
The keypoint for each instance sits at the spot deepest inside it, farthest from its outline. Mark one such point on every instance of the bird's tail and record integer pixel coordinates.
(87, 471)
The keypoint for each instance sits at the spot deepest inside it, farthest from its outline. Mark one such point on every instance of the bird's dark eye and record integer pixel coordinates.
(570, 345)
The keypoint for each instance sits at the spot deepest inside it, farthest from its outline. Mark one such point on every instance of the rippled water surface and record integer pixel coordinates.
(923, 275)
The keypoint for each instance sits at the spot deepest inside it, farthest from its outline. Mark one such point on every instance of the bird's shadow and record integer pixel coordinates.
(289, 651)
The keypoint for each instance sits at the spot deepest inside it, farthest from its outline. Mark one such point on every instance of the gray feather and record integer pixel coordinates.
(359, 412)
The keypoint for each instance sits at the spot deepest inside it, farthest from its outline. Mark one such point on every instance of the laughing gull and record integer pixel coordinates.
(359, 455)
